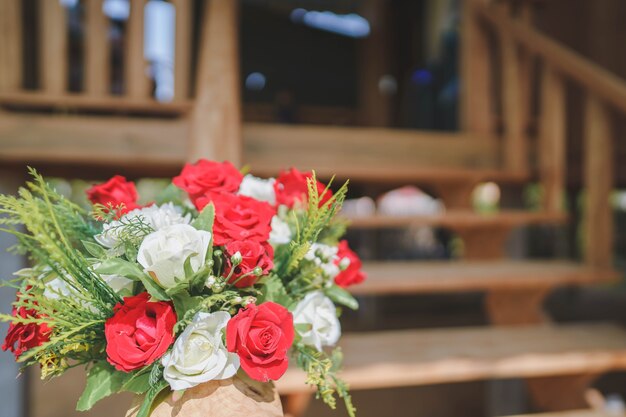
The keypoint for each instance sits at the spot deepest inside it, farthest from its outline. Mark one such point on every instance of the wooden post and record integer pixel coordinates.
(136, 77)
(476, 74)
(53, 40)
(97, 64)
(374, 105)
(515, 140)
(11, 45)
(598, 165)
(552, 140)
(216, 116)
(182, 60)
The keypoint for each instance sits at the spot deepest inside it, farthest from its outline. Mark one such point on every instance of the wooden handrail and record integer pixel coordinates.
(594, 78)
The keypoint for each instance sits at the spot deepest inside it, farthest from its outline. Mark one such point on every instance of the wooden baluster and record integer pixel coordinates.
(97, 46)
(552, 141)
(182, 60)
(598, 165)
(216, 117)
(53, 65)
(11, 45)
(137, 81)
(476, 74)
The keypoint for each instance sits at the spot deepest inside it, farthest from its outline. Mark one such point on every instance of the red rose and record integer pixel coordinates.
(261, 336)
(116, 191)
(291, 188)
(25, 336)
(253, 254)
(238, 217)
(206, 177)
(139, 332)
(352, 274)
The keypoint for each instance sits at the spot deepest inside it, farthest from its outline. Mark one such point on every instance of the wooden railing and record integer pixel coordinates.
(493, 30)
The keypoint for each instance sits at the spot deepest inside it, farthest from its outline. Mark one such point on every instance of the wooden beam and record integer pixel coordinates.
(97, 50)
(552, 139)
(598, 165)
(11, 45)
(136, 78)
(476, 74)
(216, 117)
(182, 60)
(594, 78)
(515, 140)
(53, 40)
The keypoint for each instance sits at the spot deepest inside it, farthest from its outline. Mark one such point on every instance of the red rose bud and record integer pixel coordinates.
(115, 192)
(261, 336)
(22, 337)
(238, 217)
(350, 265)
(291, 188)
(253, 255)
(208, 177)
(139, 332)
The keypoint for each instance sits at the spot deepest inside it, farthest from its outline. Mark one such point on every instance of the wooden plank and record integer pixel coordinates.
(91, 139)
(476, 75)
(573, 413)
(216, 117)
(594, 78)
(182, 49)
(458, 219)
(112, 104)
(553, 140)
(412, 277)
(53, 40)
(11, 45)
(136, 77)
(97, 50)
(418, 357)
(598, 163)
(515, 140)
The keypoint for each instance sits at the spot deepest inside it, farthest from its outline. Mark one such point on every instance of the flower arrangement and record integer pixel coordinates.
(222, 273)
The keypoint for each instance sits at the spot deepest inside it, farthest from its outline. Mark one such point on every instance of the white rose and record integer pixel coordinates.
(318, 313)
(157, 217)
(163, 253)
(199, 355)
(281, 233)
(258, 188)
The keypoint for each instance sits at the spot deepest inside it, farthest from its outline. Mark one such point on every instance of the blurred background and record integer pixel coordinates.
(482, 140)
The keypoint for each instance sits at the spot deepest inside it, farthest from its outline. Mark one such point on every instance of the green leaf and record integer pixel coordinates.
(183, 302)
(102, 381)
(204, 221)
(94, 249)
(151, 394)
(341, 296)
(139, 383)
(171, 193)
(117, 266)
(274, 290)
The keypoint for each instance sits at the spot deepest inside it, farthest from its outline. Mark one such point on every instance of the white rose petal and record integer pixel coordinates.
(157, 217)
(317, 312)
(281, 233)
(324, 256)
(199, 354)
(163, 253)
(258, 188)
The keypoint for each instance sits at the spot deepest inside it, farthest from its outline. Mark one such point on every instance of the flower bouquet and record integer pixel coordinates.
(223, 276)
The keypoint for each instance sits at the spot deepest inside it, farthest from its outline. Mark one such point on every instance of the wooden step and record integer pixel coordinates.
(410, 277)
(456, 219)
(422, 357)
(572, 413)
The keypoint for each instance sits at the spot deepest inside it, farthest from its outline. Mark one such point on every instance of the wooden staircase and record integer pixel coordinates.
(93, 133)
